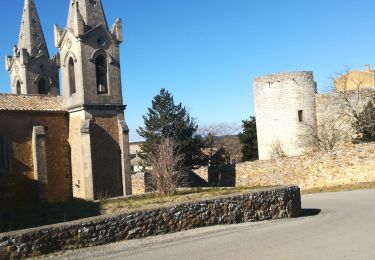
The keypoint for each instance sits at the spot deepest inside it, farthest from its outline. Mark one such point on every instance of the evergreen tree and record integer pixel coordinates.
(249, 140)
(165, 119)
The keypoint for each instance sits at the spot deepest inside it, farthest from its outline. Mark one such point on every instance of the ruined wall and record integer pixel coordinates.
(18, 185)
(277, 100)
(335, 113)
(284, 202)
(349, 165)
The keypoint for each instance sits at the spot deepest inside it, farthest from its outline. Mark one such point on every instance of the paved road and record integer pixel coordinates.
(344, 229)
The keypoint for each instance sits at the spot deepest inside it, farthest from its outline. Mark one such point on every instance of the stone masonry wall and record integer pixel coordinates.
(18, 188)
(138, 183)
(278, 98)
(349, 165)
(269, 204)
(334, 111)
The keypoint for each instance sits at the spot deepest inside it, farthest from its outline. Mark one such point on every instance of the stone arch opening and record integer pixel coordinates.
(101, 75)
(72, 76)
(18, 87)
(42, 87)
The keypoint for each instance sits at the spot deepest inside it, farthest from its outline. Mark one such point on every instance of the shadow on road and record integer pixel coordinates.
(310, 212)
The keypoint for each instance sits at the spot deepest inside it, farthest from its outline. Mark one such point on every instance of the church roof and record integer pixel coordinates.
(37, 103)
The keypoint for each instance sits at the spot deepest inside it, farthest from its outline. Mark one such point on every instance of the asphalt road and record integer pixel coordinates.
(344, 229)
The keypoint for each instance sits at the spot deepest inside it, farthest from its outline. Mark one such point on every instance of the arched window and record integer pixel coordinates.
(18, 87)
(101, 75)
(3, 155)
(42, 87)
(72, 77)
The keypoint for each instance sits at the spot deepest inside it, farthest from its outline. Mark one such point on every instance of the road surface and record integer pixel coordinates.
(344, 229)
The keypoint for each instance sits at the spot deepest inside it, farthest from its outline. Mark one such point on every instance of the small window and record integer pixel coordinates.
(42, 87)
(3, 155)
(72, 77)
(18, 87)
(300, 116)
(101, 75)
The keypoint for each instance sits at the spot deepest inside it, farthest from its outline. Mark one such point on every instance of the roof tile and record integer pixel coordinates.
(31, 103)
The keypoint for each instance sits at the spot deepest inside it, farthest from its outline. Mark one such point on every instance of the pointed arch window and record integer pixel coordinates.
(18, 87)
(101, 75)
(72, 77)
(4, 158)
(42, 87)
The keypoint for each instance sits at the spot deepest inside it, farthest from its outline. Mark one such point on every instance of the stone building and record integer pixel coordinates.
(292, 117)
(356, 79)
(53, 147)
(285, 112)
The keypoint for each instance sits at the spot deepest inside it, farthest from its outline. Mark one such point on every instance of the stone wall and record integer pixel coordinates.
(138, 183)
(349, 165)
(106, 156)
(17, 187)
(284, 104)
(335, 113)
(269, 204)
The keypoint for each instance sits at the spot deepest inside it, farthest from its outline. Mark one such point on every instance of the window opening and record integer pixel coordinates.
(72, 77)
(101, 75)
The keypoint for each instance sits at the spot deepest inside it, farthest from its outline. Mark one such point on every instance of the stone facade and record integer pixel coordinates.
(256, 206)
(284, 106)
(356, 79)
(84, 151)
(349, 165)
(19, 186)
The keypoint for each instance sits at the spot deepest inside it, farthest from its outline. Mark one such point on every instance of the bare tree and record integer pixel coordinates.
(222, 136)
(167, 169)
(277, 151)
(356, 103)
(326, 136)
(344, 115)
(219, 129)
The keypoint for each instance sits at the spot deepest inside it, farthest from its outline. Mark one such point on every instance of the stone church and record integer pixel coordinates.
(57, 147)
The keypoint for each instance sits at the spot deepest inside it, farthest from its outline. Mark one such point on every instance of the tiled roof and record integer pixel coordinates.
(31, 103)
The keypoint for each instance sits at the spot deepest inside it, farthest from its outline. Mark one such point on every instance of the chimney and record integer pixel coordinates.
(367, 68)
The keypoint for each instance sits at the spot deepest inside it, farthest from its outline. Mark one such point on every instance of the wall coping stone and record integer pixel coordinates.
(257, 205)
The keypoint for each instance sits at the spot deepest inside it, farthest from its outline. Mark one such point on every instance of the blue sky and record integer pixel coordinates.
(207, 52)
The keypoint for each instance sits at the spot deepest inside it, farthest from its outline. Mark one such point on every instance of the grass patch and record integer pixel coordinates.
(338, 188)
(154, 200)
(46, 214)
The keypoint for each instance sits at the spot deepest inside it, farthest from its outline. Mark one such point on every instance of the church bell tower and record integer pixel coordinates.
(92, 92)
(31, 69)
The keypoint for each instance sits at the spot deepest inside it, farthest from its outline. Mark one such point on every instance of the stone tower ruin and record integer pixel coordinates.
(285, 113)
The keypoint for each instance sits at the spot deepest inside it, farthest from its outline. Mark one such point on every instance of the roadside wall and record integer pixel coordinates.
(348, 165)
(260, 205)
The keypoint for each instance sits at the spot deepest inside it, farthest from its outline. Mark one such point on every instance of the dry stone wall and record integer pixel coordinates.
(348, 165)
(269, 204)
